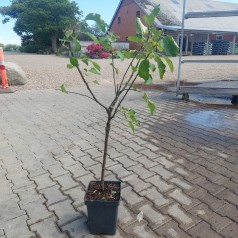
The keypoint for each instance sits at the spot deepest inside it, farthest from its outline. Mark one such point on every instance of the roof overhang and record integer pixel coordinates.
(199, 30)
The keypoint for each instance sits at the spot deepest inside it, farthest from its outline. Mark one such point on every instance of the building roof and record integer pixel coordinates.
(170, 16)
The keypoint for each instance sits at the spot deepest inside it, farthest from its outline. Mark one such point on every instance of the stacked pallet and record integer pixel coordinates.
(221, 47)
(236, 49)
(201, 48)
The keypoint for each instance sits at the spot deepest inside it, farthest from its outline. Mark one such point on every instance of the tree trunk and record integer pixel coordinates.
(107, 131)
(54, 43)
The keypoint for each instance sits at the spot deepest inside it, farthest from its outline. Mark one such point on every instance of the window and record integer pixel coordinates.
(219, 37)
(138, 14)
(119, 20)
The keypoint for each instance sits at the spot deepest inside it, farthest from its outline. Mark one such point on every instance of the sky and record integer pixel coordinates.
(106, 8)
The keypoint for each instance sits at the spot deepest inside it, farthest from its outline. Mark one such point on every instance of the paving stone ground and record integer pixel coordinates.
(180, 168)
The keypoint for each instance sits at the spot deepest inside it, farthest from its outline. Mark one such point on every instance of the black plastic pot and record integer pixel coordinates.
(102, 215)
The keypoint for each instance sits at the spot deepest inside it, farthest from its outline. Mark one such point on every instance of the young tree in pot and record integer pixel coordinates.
(150, 56)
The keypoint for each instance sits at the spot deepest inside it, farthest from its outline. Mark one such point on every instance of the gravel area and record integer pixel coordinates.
(50, 71)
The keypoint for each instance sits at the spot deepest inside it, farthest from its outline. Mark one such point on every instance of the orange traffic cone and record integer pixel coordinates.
(3, 70)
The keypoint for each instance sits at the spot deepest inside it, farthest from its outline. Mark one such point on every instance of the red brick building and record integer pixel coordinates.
(170, 17)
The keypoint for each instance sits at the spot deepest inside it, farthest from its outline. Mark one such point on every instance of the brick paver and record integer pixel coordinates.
(180, 168)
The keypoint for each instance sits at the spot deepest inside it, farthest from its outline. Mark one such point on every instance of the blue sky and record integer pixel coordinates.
(105, 8)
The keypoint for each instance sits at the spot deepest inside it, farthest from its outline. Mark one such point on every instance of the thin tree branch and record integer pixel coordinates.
(83, 95)
(127, 90)
(89, 89)
(128, 81)
(124, 76)
(87, 85)
(114, 76)
(122, 99)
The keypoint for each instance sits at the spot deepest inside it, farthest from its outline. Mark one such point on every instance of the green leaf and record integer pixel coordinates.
(96, 65)
(131, 126)
(161, 66)
(94, 71)
(77, 46)
(93, 37)
(169, 63)
(150, 104)
(134, 68)
(159, 47)
(145, 97)
(144, 69)
(151, 107)
(85, 61)
(162, 69)
(63, 89)
(68, 33)
(116, 69)
(169, 45)
(130, 116)
(96, 82)
(149, 80)
(137, 39)
(105, 43)
(141, 29)
(131, 112)
(152, 67)
(120, 55)
(127, 54)
(102, 25)
(150, 18)
(74, 61)
(70, 66)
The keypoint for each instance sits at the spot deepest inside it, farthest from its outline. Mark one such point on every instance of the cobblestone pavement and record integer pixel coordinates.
(180, 168)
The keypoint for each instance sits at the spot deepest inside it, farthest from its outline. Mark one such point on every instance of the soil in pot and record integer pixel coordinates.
(102, 207)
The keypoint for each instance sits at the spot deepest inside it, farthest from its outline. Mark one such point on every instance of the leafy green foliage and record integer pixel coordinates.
(93, 37)
(169, 63)
(170, 46)
(144, 69)
(70, 66)
(10, 47)
(96, 82)
(150, 18)
(152, 45)
(96, 65)
(63, 89)
(130, 116)
(94, 71)
(120, 55)
(41, 19)
(141, 29)
(136, 39)
(74, 61)
(150, 105)
(115, 68)
(161, 66)
(101, 24)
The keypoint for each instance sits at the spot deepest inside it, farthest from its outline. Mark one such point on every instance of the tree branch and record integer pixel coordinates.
(122, 99)
(87, 85)
(114, 76)
(83, 95)
(89, 89)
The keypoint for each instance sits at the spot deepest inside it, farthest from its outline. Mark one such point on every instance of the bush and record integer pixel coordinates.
(30, 49)
(95, 51)
(11, 47)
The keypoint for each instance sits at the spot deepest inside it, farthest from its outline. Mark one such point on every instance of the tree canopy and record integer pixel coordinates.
(42, 20)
